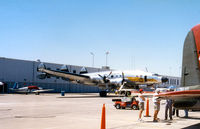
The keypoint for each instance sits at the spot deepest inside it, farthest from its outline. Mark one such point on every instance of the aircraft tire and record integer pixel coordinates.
(128, 93)
(37, 93)
(134, 107)
(103, 94)
(118, 106)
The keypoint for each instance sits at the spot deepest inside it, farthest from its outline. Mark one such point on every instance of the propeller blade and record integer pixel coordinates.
(123, 75)
(109, 74)
(123, 78)
(100, 76)
(105, 78)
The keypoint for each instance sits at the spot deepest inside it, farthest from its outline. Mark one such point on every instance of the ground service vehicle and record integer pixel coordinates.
(120, 103)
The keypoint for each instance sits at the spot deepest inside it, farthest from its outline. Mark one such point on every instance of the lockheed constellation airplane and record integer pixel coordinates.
(106, 80)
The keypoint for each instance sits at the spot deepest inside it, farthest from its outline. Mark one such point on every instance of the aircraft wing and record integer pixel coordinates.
(179, 94)
(74, 78)
(42, 90)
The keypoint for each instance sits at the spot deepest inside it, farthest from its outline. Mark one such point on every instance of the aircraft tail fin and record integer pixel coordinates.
(191, 58)
(15, 86)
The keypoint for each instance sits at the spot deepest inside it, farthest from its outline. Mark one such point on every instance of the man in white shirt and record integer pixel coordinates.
(141, 103)
(156, 102)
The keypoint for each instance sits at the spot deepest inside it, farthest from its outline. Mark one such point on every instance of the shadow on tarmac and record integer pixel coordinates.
(168, 122)
(78, 97)
(85, 96)
(196, 126)
(192, 118)
(34, 116)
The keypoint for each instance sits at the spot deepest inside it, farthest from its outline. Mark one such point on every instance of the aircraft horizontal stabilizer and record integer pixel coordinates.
(180, 94)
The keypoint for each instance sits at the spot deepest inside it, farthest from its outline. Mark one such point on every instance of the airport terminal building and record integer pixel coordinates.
(25, 73)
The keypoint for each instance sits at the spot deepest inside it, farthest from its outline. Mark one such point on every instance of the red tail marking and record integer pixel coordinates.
(196, 32)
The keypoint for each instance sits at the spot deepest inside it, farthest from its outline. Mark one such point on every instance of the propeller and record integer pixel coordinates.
(123, 78)
(105, 78)
(123, 82)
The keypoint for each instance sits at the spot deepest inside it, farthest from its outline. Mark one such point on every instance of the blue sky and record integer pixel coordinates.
(137, 33)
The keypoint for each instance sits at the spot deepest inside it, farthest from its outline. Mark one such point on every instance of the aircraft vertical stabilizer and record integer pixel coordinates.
(191, 58)
(188, 95)
(15, 86)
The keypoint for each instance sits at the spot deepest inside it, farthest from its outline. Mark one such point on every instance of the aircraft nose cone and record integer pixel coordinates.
(164, 79)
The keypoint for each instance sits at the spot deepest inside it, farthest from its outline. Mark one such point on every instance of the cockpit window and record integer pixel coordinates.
(156, 74)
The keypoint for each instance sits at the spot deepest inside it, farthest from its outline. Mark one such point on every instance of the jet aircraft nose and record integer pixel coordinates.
(164, 79)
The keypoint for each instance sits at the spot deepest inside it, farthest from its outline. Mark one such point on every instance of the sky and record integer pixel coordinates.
(138, 34)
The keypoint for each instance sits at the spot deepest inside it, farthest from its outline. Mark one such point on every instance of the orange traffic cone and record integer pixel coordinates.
(147, 108)
(103, 118)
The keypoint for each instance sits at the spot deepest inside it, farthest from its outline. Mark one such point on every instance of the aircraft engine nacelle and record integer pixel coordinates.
(65, 79)
(41, 66)
(64, 68)
(117, 81)
(42, 76)
(48, 76)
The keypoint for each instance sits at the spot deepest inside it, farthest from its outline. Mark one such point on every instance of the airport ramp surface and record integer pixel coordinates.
(79, 111)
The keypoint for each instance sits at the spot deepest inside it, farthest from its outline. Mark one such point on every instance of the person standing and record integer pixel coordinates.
(156, 102)
(175, 111)
(141, 103)
(186, 113)
(168, 107)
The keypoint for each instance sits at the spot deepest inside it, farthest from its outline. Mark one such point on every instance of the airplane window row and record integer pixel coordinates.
(112, 76)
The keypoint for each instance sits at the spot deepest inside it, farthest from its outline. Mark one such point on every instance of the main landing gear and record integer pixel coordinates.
(102, 93)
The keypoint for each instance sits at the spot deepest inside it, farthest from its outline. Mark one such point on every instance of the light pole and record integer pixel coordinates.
(92, 58)
(107, 58)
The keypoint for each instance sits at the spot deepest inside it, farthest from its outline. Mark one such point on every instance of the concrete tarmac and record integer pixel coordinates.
(79, 111)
